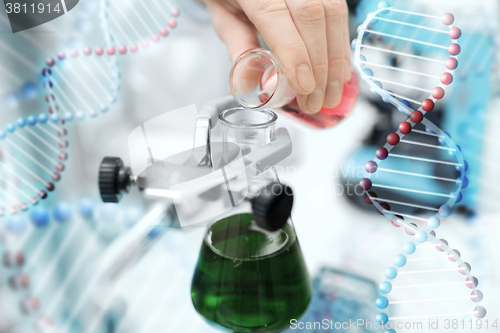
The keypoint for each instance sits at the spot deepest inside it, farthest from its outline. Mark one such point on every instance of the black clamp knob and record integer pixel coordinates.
(114, 179)
(272, 207)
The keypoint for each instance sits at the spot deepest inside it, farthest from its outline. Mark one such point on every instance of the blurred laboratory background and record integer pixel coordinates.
(74, 264)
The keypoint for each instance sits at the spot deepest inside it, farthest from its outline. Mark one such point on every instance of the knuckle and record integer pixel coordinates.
(335, 69)
(335, 62)
(296, 48)
(311, 10)
(321, 68)
(333, 7)
(270, 6)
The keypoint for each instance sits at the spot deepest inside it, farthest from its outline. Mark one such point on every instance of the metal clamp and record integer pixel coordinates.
(207, 119)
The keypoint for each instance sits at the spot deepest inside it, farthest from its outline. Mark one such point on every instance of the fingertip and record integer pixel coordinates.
(333, 94)
(238, 35)
(308, 104)
(315, 101)
(304, 79)
(302, 103)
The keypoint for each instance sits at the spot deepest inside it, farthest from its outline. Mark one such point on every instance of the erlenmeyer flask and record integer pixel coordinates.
(248, 278)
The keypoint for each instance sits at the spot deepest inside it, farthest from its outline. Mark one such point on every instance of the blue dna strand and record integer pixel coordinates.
(20, 53)
(428, 285)
(43, 290)
(33, 152)
(79, 84)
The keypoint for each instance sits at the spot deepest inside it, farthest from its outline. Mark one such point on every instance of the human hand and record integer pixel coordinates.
(310, 37)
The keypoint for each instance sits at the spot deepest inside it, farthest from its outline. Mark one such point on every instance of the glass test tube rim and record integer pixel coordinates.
(276, 64)
(224, 121)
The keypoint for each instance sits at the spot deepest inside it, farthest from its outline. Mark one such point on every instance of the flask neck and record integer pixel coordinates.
(249, 129)
(258, 81)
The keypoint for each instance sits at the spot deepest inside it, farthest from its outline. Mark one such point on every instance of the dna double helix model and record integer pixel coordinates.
(417, 176)
(19, 65)
(79, 84)
(99, 222)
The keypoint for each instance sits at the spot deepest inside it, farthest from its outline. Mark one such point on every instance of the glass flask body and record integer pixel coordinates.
(248, 279)
(258, 80)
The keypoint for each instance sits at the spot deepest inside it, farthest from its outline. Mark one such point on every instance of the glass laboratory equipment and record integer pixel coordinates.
(251, 275)
(341, 297)
(258, 81)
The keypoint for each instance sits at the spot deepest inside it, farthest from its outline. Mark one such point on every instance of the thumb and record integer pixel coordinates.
(239, 35)
(236, 31)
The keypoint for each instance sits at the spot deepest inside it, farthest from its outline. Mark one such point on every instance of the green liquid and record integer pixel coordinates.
(249, 280)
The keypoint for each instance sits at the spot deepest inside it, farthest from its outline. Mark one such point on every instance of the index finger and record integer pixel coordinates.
(274, 22)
